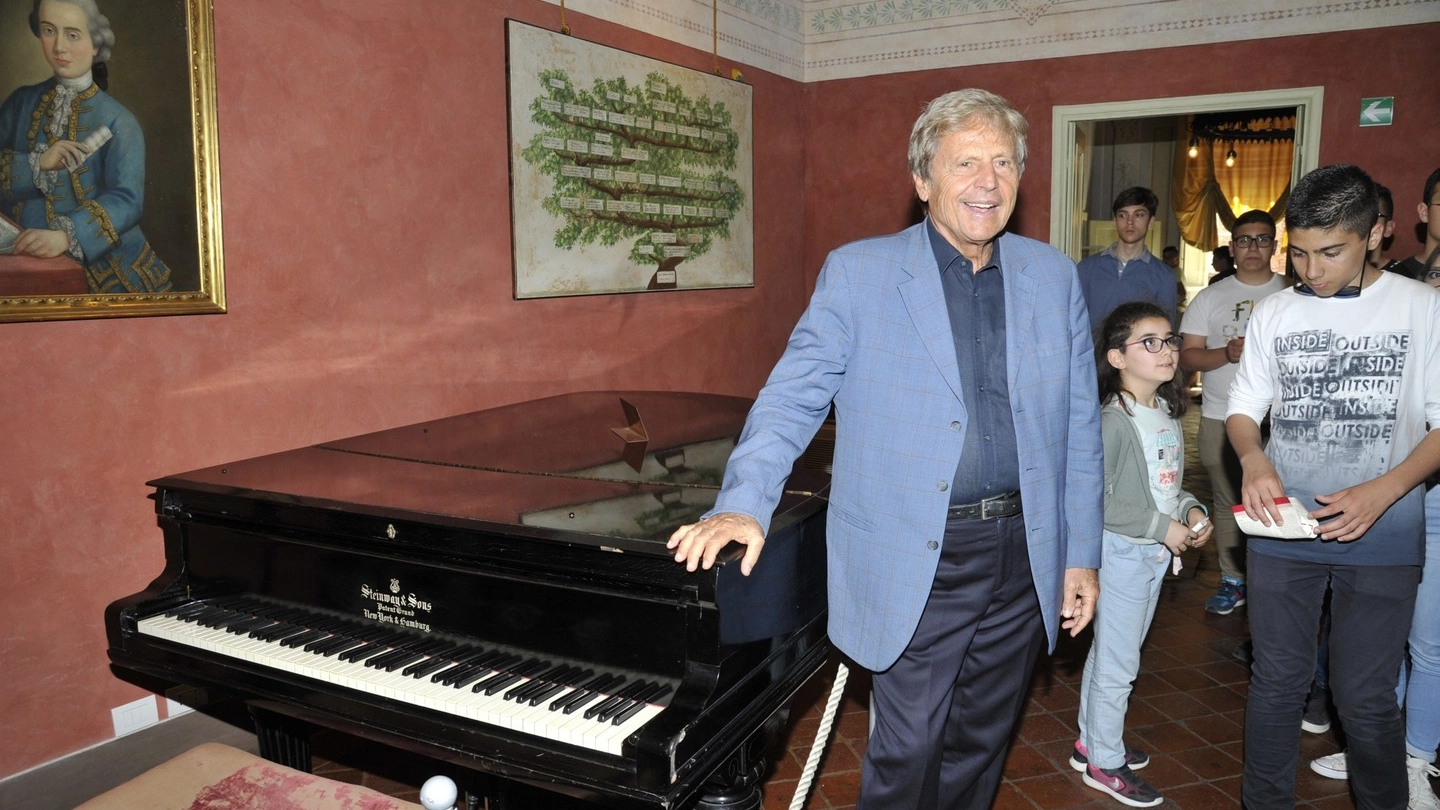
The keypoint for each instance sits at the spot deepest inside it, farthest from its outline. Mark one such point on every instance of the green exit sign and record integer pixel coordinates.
(1377, 112)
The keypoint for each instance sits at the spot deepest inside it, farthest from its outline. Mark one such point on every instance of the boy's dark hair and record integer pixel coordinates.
(1113, 333)
(1430, 183)
(1254, 215)
(1387, 202)
(1341, 196)
(1136, 195)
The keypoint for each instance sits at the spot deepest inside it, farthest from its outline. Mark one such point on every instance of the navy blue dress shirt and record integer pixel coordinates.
(990, 460)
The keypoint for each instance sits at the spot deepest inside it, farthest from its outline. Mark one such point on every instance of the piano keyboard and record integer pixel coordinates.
(562, 702)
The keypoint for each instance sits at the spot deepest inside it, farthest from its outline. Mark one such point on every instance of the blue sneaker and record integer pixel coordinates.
(1230, 596)
(1124, 785)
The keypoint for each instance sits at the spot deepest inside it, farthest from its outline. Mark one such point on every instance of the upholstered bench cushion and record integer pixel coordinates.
(218, 777)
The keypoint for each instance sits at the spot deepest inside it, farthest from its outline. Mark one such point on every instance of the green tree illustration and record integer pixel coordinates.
(643, 162)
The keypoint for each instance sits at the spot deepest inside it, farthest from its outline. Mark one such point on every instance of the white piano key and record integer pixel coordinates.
(494, 709)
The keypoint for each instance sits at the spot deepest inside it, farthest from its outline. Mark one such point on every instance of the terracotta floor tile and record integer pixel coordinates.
(1199, 797)
(1055, 791)
(1025, 761)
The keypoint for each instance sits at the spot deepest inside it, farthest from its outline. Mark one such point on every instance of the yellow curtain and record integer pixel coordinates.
(1204, 189)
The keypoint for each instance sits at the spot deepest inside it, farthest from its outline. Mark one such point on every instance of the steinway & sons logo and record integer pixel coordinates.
(394, 607)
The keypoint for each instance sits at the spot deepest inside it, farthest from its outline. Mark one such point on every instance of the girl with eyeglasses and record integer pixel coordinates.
(1136, 356)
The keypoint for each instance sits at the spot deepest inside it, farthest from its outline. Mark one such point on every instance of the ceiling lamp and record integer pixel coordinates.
(1194, 147)
(1230, 158)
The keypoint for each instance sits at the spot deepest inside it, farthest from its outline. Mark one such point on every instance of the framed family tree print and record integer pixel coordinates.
(627, 173)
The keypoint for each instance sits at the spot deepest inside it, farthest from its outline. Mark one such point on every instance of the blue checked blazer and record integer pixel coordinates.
(876, 340)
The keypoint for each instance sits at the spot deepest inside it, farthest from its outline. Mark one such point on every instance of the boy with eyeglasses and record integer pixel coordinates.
(1213, 330)
(1347, 364)
(1429, 211)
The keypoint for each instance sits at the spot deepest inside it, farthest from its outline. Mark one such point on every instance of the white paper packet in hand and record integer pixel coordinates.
(1298, 525)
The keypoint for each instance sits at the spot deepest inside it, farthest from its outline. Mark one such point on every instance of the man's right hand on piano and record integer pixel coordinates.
(697, 544)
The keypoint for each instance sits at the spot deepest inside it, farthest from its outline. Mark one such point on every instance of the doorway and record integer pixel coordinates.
(1073, 133)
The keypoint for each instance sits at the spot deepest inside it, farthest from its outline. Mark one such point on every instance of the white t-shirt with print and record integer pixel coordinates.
(1349, 384)
(1220, 313)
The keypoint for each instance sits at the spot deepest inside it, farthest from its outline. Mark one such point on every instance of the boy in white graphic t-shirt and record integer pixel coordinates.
(1347, 364)
(1213, 330)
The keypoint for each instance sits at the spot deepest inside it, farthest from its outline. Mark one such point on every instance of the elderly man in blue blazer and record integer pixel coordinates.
(965, 511)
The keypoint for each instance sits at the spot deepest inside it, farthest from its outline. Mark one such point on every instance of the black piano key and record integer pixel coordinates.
(283, 619)
(235, 617)
(481, 671)
(395, 661)
(481, 667)
(634, 705)
(553, 689)
(317, 629)
(186, 610)
(579, 701)
(442, 658)
(303, 638)
(405, 654)
(540, 681)
(209, 616)
(250, 624)
(333, 645)
(617, 698)
(500, 680)
(630, 712)
(279, 632)
(594, 686)
(464, 656)
(384, 646)
(598, 682)
(373, 646)
(570, 677)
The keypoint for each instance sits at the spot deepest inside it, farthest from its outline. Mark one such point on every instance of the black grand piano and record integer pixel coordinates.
(492, 590)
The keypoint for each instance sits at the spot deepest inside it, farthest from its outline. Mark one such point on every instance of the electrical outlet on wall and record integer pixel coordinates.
(135, 715)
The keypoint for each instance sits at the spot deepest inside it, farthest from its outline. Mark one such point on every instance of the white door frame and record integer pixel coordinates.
(1307, 101)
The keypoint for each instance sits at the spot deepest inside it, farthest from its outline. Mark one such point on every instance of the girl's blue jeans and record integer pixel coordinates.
(1130, 579)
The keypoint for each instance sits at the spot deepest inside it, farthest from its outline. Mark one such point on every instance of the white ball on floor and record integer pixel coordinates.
(439, 793)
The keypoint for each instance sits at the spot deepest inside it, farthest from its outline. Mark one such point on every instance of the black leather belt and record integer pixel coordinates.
(988, 509)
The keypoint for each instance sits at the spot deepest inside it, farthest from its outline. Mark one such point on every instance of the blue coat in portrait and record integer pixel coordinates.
(103, 197)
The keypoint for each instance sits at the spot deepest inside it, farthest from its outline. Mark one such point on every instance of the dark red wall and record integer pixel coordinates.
(857, 129)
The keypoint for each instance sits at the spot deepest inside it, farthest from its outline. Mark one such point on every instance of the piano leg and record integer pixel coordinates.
(283, 740)
(735, 785)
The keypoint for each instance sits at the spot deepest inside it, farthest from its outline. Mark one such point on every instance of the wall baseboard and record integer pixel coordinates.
(76, 778)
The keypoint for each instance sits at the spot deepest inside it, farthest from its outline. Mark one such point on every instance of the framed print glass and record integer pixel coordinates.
(109, 183)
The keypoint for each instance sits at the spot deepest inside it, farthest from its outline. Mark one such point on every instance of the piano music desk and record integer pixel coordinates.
(213, 776)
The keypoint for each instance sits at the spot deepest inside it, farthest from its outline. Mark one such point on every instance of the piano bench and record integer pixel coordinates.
(218, 776)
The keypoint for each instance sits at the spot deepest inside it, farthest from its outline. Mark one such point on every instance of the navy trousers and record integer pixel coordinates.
(943, 714)
(1370, 612)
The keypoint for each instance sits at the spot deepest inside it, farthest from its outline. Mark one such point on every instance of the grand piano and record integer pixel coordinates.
(492, 590)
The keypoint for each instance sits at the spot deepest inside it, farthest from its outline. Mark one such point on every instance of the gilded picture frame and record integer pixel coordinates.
(133, 187)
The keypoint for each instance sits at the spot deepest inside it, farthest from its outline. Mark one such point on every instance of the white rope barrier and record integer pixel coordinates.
(822, 737)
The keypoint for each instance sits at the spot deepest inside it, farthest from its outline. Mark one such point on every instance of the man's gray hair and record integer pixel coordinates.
(962, 109)
(99, 25)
